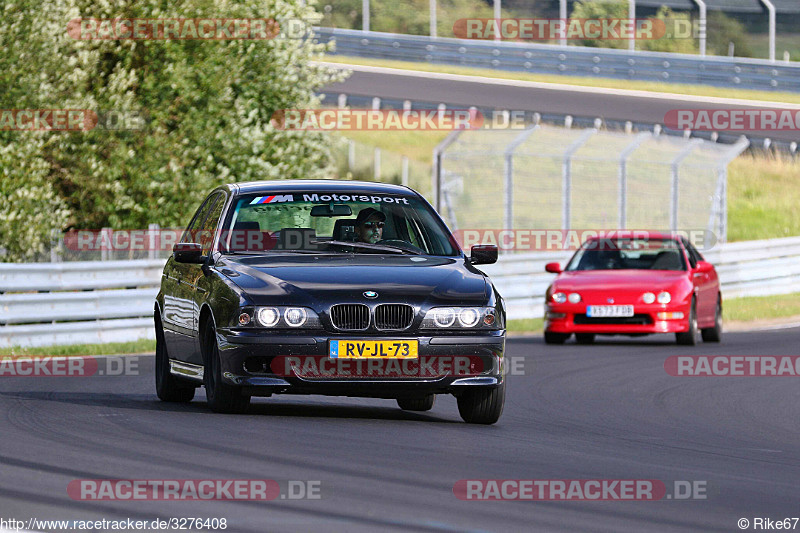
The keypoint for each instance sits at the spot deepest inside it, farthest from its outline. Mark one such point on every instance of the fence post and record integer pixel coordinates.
(436, 175)
(675, 168)
(376, 164)
(623, 175)
(351, 154)
(566, 176)
(404, 171)
(55, 245)
(152, 233)
(106, 243)
(508, 172)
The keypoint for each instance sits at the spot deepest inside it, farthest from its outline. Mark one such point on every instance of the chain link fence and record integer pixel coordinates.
(547, 177)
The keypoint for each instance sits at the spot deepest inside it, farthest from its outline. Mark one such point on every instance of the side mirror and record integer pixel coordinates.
(553, 268)
(704, 267)
(188, 252)
(483, 254)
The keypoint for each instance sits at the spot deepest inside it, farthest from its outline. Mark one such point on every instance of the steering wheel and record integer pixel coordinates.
(402, 244)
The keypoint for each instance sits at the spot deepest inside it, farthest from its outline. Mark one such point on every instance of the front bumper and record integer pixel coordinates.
(571, 318)
(265, 363)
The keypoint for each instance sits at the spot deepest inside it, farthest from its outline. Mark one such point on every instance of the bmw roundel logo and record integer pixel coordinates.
(370, 294)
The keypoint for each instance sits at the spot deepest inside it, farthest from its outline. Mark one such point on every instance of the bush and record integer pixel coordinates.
(206, 108)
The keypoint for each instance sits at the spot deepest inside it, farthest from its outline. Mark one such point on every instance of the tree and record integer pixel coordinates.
(204, 107)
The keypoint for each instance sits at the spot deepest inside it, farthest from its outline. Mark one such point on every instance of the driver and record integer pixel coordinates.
(369, 225)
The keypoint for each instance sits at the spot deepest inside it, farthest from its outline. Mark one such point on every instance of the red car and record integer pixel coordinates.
(627, 285)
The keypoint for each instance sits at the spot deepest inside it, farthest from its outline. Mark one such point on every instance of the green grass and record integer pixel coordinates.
(112, 348)
(525, 325)
(759, 44)
(675, 88)
(752, 308)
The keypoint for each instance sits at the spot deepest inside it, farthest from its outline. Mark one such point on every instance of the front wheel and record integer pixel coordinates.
(482, 405)
(689, 338)
(417, 404)
(714, 334)
(222, 398)
(168, 387)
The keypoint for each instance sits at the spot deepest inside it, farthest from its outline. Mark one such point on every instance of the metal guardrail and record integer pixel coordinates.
(121, 308)
(751, 268)
(730, 72)
(44, 304)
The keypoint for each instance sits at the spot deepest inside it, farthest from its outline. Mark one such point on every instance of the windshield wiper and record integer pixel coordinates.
(366, 246)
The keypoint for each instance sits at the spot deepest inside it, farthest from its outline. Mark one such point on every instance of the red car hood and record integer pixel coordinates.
(618, 280)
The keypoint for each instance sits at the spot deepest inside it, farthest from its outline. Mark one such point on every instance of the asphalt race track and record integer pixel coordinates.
(555, 99)
(607, 411)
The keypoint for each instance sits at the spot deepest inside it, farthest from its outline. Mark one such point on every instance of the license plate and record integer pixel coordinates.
(601, 311)
(366, 349)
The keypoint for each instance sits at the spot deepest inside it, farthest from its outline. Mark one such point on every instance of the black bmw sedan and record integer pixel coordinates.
(339, 288)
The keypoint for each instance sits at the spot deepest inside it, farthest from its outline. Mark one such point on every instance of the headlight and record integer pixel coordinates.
(574, 298)
(648, 297)
(295, 316)
(559, 297)
(468, 317)
(445, 317)
(664, 297)
(279, 317)
(462, 317)
(268, 316)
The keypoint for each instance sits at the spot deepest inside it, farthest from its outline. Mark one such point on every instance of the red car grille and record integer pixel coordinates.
(638, 319)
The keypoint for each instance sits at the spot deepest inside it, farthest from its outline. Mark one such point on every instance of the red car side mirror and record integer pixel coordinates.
(553, 268)
(704, 267)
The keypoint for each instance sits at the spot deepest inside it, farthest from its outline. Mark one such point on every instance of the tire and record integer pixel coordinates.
(482, 405)
(584, 338)
(222, 398)
(417, 404)
(555, 338)
(689, 338)
(714, 334)
(168, 387)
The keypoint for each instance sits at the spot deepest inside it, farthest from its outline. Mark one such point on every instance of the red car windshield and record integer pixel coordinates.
(628, 254)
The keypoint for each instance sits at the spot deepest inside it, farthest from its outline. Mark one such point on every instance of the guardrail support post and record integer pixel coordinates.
(771, 11)
(623, 175)
(566, 176)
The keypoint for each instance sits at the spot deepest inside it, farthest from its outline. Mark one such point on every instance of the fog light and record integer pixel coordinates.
(552, 316)
(677, 315)
(488, 319)
(244, 319)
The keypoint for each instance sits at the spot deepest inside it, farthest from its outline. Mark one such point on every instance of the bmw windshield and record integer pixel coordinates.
(311, 222)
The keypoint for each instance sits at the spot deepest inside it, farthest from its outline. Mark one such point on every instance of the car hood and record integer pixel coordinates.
(311, 279)
(621, 280)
